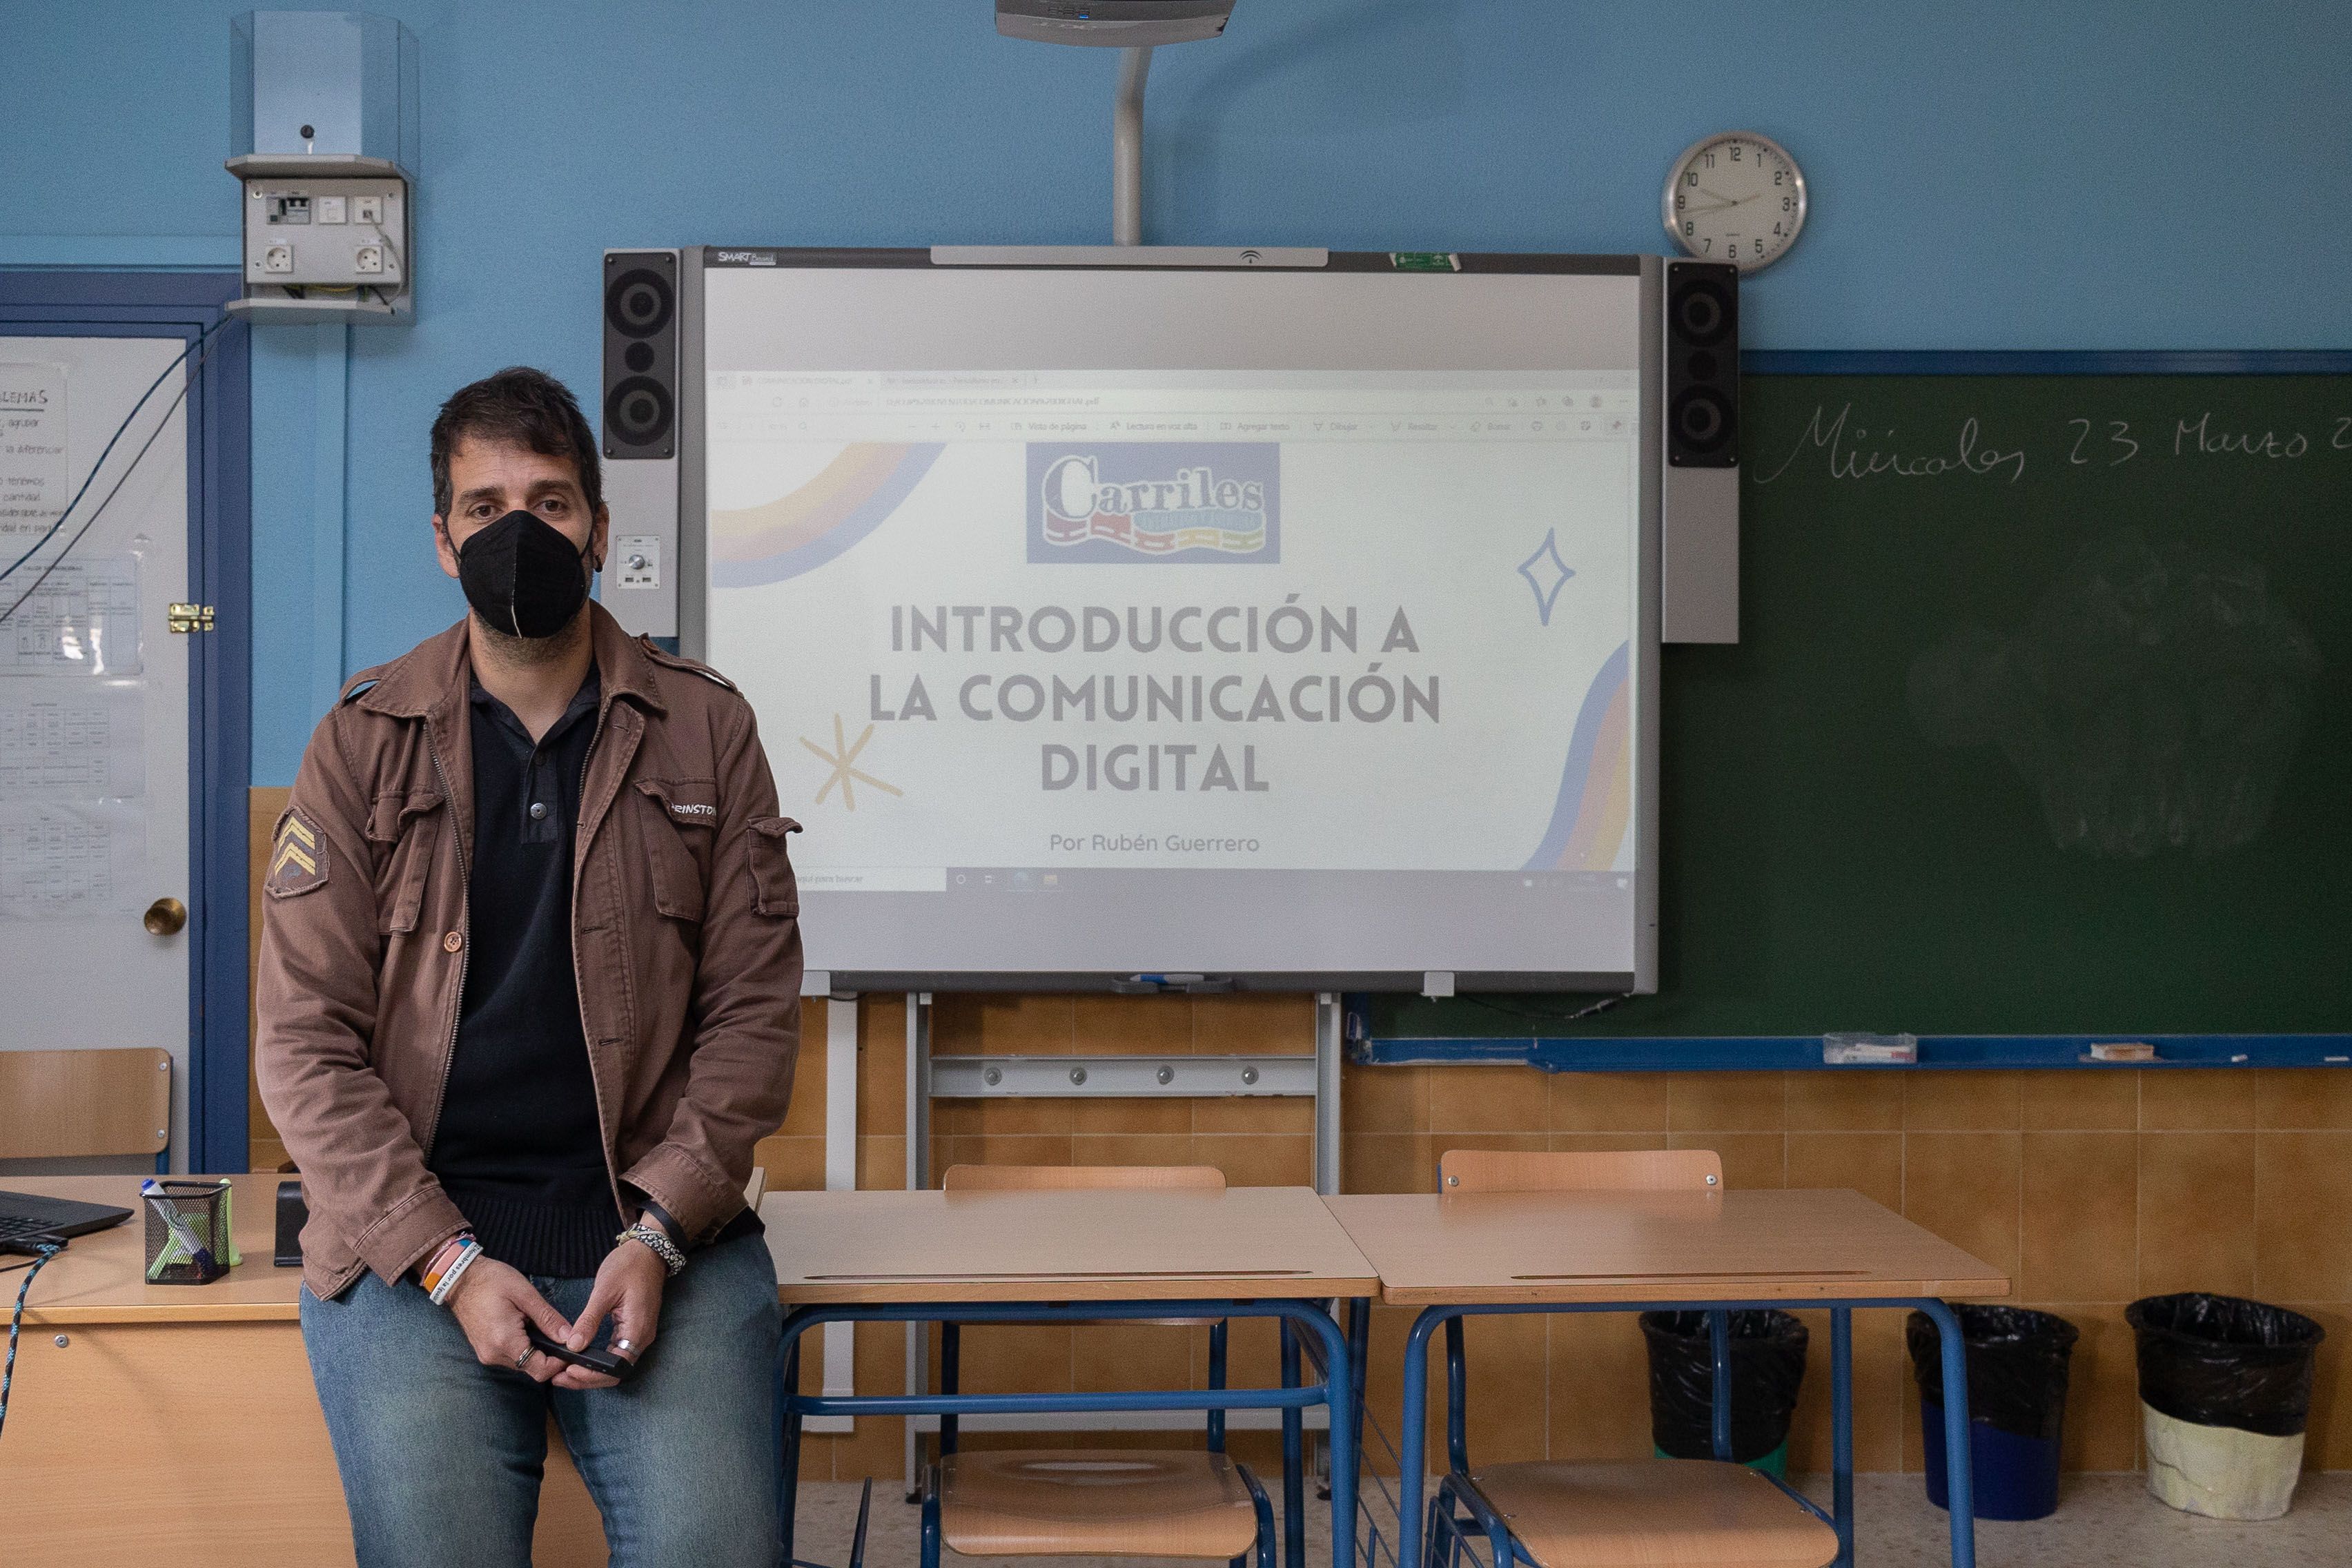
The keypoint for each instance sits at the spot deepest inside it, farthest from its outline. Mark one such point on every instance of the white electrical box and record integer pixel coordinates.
(324, 136)
(309, 221)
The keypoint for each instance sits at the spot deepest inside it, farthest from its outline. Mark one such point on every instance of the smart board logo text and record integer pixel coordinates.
(1155, 501)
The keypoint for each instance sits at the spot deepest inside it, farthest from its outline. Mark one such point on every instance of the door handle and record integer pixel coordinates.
(164, 917)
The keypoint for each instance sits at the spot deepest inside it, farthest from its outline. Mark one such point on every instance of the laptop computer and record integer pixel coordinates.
(24, 1216)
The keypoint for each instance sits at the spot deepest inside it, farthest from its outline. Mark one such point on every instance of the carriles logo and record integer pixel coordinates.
(1198, 501)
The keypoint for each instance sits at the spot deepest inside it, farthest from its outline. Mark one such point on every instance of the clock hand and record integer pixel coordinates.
(1728, 201)
(1720, 204)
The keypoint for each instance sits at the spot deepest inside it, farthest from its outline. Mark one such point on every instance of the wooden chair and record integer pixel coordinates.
(1097, 1503)
(1635, 1171)
(1081, 1178)
(1643, 1513)
(85, 1104)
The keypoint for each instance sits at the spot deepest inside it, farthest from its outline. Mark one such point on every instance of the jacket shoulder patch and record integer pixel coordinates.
(662, 655)
(298, 859)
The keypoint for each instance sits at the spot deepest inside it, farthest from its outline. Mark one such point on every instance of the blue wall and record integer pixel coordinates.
(2152, 174)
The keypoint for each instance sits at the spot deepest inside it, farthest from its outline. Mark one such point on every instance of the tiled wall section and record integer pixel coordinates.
(2089, 1187)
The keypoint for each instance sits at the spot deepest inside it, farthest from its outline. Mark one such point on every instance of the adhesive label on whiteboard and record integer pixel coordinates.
(32, 449)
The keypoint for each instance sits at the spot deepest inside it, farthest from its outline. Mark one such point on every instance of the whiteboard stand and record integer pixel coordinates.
(840, 1359)
(1082, 1078)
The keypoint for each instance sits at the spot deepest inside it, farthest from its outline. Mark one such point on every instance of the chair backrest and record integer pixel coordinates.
(1080, 1178)
(83, 1104)
(1094, 1178)
(1626, 1171)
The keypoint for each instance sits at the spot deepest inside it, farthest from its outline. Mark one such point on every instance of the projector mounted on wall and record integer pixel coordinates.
(1137, 26)
(1113, 24)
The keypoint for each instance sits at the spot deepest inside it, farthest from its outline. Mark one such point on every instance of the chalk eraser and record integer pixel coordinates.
(1852, 1050)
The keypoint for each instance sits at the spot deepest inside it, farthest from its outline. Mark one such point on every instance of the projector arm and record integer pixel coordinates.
(1133, 27)
(1127, 148)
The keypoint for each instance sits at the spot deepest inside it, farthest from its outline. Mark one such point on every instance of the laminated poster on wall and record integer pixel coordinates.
(66, 738)
(82, 618)
(70, 859)
(32, 473)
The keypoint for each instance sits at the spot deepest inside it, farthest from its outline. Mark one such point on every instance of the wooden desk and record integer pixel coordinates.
(1760, 1244)
(1483, 1253)
(1126, 1244)
(165, 1394)
(1071, 1255)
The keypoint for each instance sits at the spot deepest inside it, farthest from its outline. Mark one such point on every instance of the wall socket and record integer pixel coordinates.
(296, 234)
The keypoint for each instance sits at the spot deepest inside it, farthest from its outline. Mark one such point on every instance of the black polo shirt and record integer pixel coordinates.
(519, 1145)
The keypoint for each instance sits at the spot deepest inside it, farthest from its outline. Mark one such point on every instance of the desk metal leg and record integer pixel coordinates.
(1341, 1393)
(1360, 1357)
(1410, 1440)
(1959, 1472)
(1293, 1460)
(788, 1445)
(1842, 1431)
(1342, 1400)
(1719, 1341)
(1457, 1398)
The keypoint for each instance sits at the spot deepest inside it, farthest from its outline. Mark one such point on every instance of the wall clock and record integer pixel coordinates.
(1734, 196)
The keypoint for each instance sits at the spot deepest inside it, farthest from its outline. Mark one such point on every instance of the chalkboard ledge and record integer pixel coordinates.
(1754, 1053)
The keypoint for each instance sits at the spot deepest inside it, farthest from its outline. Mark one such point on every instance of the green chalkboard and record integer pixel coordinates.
(2040, 722)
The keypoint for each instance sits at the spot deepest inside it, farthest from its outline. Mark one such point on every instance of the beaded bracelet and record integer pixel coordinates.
(661, 1246)
(441, 1291)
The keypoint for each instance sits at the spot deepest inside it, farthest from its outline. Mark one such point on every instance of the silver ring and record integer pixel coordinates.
(523, 1362)
(623, 1347)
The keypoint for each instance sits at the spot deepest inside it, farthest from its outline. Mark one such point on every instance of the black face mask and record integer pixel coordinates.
(523, 577)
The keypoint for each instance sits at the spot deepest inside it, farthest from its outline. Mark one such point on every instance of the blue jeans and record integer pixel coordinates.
(441, 1455)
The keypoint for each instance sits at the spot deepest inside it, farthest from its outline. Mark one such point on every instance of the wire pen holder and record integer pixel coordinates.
(188, 1232)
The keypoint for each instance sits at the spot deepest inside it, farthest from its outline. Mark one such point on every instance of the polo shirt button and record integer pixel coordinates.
(452, 942)
(538, 810)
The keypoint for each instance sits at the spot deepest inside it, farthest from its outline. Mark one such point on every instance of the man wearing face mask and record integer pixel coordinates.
(528, 996)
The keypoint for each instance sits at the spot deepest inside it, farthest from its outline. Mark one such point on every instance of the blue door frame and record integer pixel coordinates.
(183, 305)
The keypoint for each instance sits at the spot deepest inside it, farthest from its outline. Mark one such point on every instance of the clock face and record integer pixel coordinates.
(1737, 197)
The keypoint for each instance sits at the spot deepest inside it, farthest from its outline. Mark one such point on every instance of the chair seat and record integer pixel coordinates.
(1654, 1513)
(1070, 1503)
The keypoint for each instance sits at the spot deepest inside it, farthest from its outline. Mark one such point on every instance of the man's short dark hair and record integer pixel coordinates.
(519, 406)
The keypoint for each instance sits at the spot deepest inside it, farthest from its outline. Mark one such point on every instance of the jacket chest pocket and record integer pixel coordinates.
(403, 829)
(678, 819)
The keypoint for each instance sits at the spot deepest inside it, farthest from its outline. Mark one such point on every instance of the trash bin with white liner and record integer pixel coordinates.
(2224, 1391)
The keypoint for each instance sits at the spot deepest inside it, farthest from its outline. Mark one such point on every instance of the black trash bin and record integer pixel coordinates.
(2225, 1392)
(1767, 1367)
(2018, 1361)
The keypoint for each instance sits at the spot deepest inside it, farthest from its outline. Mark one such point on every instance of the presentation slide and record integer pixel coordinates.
(1190, 670)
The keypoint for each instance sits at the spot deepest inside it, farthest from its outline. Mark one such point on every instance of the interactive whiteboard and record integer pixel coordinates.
(1289, 626)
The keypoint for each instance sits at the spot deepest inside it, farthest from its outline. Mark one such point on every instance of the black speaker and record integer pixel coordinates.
(1702, 364)
(640, 353)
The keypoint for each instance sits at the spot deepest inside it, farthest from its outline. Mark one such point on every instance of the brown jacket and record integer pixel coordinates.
(684, 935)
